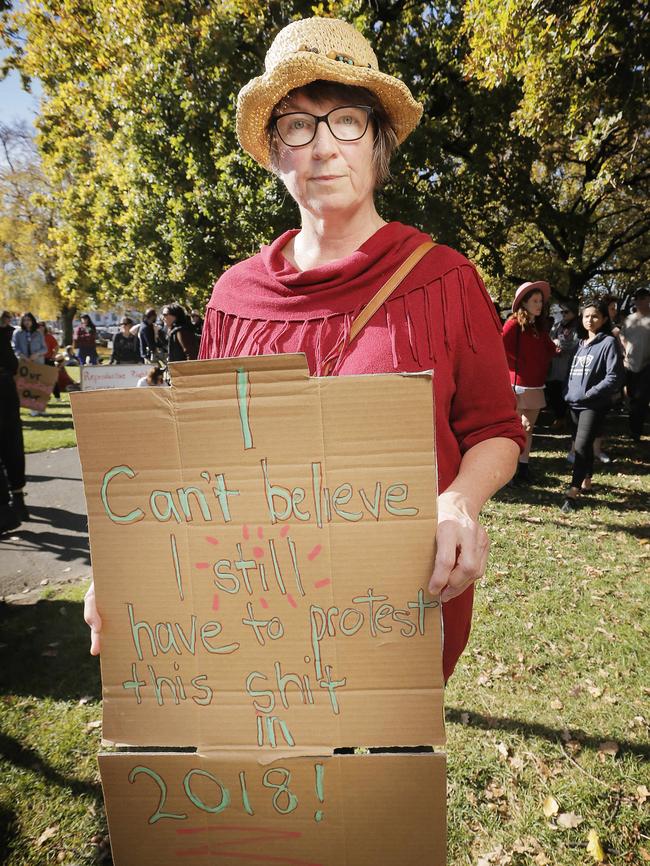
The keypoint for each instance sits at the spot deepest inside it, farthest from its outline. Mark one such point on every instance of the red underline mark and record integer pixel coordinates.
(245, 532)
(215, 601)
(202, 565)
(284, 531)
(264, 603)
(260, 532)
(313, 553)
(321, 583)
(258, 552)
(211, 539)
(241, 855)
(291, 600)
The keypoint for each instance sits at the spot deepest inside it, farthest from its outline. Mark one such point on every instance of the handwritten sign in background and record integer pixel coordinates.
(260, 544)
(34, 383)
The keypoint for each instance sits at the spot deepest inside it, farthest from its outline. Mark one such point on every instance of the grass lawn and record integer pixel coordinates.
(50, 431)
(548, 713)
(55, 429)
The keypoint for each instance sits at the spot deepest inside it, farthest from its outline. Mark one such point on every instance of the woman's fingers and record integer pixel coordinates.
(93, 619)
(469, 570)
(461, 556)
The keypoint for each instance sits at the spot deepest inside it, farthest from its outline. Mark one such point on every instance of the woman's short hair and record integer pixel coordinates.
(385, 141)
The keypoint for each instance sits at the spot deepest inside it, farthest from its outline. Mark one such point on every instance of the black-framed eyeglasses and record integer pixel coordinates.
(346, 123)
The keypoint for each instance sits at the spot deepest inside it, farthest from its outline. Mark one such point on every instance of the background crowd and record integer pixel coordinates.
(552, 360)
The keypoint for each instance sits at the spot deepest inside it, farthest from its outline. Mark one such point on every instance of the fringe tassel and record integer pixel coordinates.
(467, 323)
(429, 323)
(411, 330)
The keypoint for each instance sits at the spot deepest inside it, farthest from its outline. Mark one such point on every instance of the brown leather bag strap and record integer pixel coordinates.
(376, 301)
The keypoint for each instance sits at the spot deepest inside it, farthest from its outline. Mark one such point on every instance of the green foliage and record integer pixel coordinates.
(531, 157)
(582, 70)
(27, 215)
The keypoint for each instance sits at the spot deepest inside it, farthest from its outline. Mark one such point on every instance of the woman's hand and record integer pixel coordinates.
(462, 547)
(93, 619)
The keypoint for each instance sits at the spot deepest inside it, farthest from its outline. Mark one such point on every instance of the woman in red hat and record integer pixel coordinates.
(529, 350)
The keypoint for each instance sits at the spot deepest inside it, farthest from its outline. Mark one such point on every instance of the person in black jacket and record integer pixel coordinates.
(596, 375)
(12, 453)
(146, 334)
(183, 342)
(126, 348)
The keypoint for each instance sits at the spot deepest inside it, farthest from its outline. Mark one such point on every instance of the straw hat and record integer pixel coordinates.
(318, 49)
(525, 289)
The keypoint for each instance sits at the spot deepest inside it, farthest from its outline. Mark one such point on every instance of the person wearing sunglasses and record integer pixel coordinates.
(325, 121)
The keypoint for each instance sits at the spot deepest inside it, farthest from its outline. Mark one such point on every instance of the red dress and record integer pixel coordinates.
(440, 318)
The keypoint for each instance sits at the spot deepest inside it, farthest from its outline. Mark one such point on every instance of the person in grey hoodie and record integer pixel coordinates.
(596, 375)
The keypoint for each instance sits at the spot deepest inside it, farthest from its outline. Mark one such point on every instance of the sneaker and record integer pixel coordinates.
(569, 505)
(603, 458)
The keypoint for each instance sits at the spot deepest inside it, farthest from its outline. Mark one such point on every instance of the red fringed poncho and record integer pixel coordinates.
(439, 318)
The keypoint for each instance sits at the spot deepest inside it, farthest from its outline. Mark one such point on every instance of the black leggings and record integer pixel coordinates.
(587, 425)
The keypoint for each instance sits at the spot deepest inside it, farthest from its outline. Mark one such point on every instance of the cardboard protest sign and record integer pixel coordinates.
(261, 541)
(34, 383)
(95, 376)
(377, 809)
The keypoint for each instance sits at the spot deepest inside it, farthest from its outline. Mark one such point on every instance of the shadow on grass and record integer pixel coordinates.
(28, 759)
(46, 652)
(45, 425)
(535, 729)
(8, 830)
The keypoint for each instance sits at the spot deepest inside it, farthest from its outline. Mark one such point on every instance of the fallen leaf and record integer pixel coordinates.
(503, 750)
(642, 794)
(594, 847)
(47, 834)
(550, 807)
(464, 718)
(609, 748)
(91, 726)
(569, 820)
(645, 854)
(556, 704)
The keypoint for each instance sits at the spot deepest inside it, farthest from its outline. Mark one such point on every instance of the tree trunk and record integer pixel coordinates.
(67, 317)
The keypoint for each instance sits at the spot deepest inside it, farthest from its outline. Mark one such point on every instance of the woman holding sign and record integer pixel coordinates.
(326, 121)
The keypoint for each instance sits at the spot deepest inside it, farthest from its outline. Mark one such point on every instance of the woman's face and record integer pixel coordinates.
(168, 318)
(534, 304)
(85, 320)
(592, 320)
(26, 323)
(326, 176)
